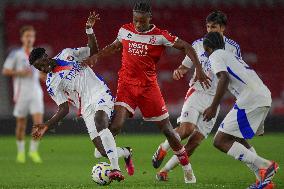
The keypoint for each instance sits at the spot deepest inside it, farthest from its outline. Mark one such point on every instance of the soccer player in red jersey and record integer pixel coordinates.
(142, 45)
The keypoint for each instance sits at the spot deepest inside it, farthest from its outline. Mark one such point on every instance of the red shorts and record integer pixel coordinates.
(147, 98)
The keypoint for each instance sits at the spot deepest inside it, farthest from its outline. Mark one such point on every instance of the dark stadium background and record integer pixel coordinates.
(257, 25)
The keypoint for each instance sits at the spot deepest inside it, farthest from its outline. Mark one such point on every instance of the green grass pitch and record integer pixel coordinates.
(68, 161)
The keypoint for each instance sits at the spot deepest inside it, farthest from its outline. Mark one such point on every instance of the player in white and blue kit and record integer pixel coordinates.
(25, 80)
(197, 99)
(69, 81)
(246, 119)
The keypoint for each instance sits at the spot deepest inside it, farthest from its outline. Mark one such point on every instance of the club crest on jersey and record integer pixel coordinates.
(70, 58)
(153, 40)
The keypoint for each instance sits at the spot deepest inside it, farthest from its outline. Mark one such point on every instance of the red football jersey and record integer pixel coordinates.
(141, 52)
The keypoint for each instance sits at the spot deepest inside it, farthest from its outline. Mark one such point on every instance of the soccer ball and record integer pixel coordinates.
(100, 173)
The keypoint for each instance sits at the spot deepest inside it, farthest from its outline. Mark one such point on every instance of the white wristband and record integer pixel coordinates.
(89, 31)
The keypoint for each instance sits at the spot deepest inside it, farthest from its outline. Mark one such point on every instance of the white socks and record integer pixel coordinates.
(239, 152)
(171, 164)
(165, 145)
(252, 167)
(110, 147)
(20, 146)
(34, 145)
(121, 152)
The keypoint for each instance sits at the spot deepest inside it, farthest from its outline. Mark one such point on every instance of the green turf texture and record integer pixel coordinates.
(68, 160)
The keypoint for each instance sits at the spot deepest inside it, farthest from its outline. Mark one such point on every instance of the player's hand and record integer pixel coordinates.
(25, 73)
(179, 73)
(93, 17)
(203, 79)
(91, 61)
(39, 130)
(209, 113)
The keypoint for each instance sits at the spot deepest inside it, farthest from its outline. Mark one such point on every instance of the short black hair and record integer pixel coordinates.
(143, 7)
(217, 17)
(214, 40)
(36, 54)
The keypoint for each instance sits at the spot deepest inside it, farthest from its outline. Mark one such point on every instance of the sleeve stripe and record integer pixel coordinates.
(194, 42)
(233, 43)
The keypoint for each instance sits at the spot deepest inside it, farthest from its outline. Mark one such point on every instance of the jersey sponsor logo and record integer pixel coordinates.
(73, 72)
(137, 49)
(48, 84)
(185, 114)
(204, 61)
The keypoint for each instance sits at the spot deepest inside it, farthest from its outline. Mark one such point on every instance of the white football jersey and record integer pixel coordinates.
(230, 46)
(18, 60)
(71, 82)
(244, 83)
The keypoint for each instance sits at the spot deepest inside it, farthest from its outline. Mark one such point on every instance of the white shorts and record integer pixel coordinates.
(105, 103)
(244, 123)
(23, 107)
(196, 102)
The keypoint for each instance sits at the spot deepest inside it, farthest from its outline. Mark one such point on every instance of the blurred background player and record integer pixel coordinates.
(143, 44)
(28, 96)
(197, 99)
(70, 82)
(246, 118)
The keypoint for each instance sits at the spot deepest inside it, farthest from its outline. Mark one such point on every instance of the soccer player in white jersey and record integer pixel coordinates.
(25, 80)
(246, 119)
(69, 81)
(197, 99)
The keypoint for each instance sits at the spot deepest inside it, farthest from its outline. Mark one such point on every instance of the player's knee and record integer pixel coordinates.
(21, 128)
(188, 129)
(218, 142)
(116, 126)
(101, 121)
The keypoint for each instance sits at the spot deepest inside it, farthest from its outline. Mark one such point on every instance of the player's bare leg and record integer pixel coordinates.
(184, 130)
(174, 141)
(21, 123)
(232, 146)
(121, 114)
(33, 151)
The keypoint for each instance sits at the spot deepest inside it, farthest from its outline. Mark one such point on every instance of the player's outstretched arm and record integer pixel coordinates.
(107, 51)
(39, 129)
(190, 52)
(92, 41)
(222, 86)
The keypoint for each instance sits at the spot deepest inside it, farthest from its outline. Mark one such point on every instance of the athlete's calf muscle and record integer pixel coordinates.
(185, 130)
(101, 120)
